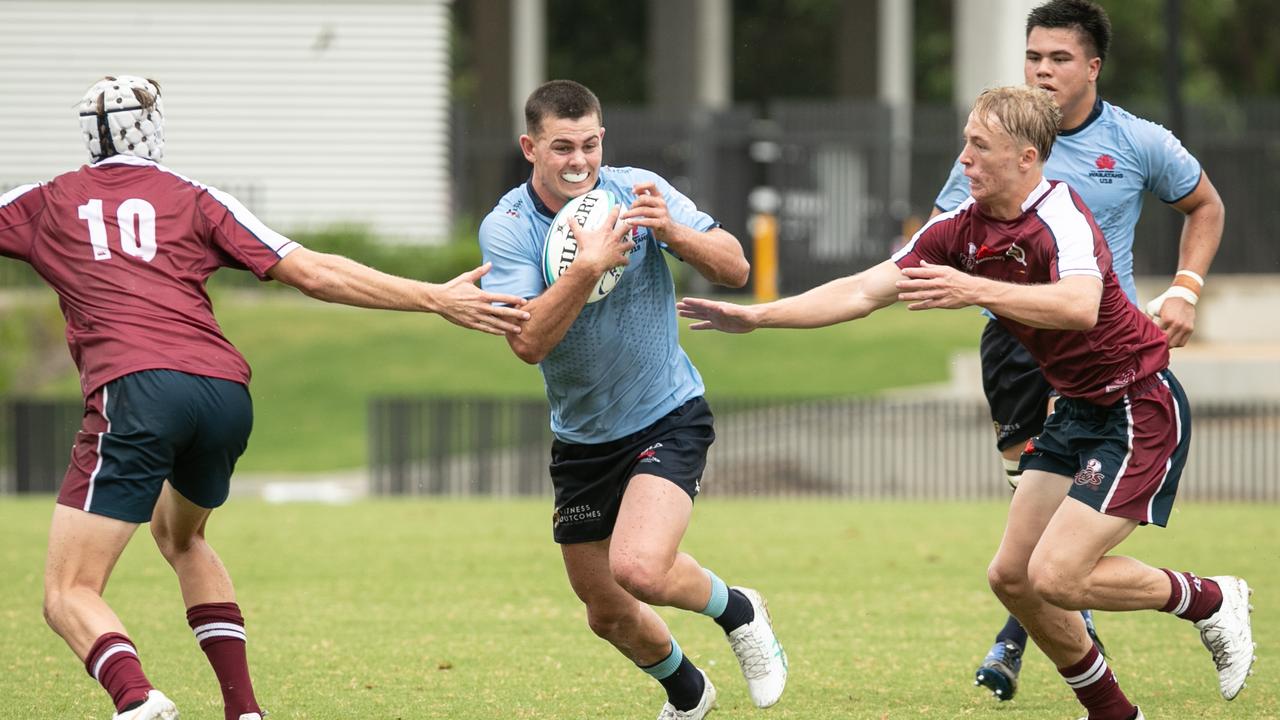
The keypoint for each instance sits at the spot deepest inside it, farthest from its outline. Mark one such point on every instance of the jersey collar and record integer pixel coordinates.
(124, 159)
(1037, 194)
(541, 206)
(1093, 115)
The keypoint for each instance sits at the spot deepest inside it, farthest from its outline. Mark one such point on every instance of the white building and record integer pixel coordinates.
(313, 113)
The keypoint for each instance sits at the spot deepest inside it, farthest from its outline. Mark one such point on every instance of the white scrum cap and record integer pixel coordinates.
(123, 114)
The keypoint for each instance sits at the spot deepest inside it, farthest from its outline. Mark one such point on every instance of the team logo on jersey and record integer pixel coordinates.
(978, 255)
(1090, 474)
(1017, 254)
(1105, 170)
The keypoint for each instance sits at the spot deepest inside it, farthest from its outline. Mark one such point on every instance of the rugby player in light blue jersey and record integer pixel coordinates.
(631, 427)
(1110, 157)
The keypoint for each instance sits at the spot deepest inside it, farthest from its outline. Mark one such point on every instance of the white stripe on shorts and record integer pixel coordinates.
(1168, 464)
(113, 650)
(88, 498)
(1128, 453)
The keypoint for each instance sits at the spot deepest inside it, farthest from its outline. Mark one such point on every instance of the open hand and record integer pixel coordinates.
(462, 303)
(935, 286)
(722, 316)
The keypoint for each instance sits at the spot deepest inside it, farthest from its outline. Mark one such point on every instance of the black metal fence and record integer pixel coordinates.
(879, 448)
(860, 448)
(35, 443)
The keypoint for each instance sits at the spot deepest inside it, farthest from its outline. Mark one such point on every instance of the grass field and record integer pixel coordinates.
(459, 610)
(315, 366)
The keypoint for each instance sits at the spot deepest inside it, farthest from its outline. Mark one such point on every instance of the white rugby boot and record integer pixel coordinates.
(156, 707)
(1228, 634)
(760, 655)
(705, 705)
(1139, 716)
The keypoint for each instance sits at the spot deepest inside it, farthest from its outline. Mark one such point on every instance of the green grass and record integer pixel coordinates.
(460, 610)
(315, 367)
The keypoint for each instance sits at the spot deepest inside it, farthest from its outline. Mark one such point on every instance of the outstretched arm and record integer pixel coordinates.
(1068, 304)
(336, 279)
(848, 298)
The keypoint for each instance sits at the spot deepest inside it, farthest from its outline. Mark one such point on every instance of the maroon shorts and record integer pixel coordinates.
(1125, 459)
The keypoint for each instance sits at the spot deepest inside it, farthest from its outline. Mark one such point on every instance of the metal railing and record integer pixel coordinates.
(876, 448)
(857, 448)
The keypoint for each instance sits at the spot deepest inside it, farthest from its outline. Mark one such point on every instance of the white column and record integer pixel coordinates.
(896, 89)
(528, 53)
(713, 49)
(990, 44)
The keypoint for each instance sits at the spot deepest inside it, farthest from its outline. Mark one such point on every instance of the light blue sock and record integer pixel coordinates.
(719, 597)
(664, 669)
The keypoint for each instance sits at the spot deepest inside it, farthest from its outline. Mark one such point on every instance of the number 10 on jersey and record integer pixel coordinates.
(137, 221)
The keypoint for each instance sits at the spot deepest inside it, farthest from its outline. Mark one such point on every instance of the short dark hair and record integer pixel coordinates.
(1084, 16)
(560, 99)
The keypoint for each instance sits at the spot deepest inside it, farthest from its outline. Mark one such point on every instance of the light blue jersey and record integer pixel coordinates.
(1109, 161)
(620, 367)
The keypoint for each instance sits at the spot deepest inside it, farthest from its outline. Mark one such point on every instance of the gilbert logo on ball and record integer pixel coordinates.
(590, 209)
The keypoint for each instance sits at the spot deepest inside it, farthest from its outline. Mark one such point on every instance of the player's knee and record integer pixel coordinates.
(1059, 588)
(172, 544)
(1007, 580)
(605, 621)
(52, 608)
(646, 581)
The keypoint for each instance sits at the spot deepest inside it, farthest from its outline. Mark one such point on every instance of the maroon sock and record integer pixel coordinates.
(1190, 597)
(113, 662)
(219, 628)
(1096, 688)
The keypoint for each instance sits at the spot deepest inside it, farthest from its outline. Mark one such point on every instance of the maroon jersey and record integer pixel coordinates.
(1054, 237)
(128, 244)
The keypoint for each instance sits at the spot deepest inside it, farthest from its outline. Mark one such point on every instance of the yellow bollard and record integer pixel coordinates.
(764, 263)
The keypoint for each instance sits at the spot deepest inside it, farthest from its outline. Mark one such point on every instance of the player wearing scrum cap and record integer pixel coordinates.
(128, 244)
(631, 427)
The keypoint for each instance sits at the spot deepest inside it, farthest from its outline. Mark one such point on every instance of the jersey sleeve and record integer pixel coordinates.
(1171, 172)
(679, 207)
(954, 191)
(20, 210)
(241, 235)
(931, 243)
(1076, 238)
(517, 267)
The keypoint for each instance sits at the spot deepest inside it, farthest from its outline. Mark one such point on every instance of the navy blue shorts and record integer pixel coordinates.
(1125, 459)
(589, 480)
(1016, 389)
(153, 425)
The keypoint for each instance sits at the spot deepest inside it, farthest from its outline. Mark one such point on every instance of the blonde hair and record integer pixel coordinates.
(1028, 114)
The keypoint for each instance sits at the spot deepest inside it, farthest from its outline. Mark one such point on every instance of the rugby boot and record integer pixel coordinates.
(999, 670)
(760, 655)
(1228, 634)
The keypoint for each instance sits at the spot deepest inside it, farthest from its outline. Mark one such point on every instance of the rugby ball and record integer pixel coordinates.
(591, 210)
